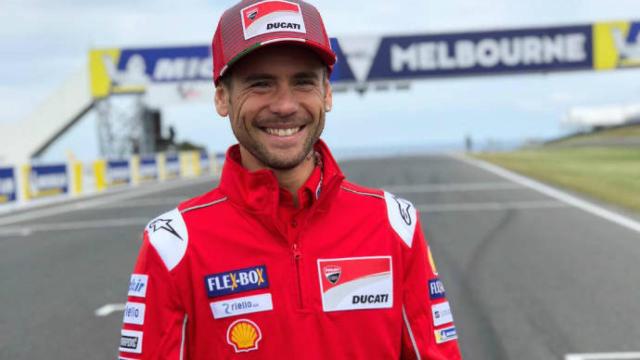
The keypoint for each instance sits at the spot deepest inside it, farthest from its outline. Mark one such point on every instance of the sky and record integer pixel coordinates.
(44, 42)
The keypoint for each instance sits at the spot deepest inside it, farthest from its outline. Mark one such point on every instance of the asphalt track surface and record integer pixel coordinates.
(528, 276)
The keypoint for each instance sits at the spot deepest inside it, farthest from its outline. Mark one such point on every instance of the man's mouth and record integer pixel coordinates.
(283, 132)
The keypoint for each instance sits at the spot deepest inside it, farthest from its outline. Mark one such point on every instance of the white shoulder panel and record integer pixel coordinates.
(168, 235)
(402, 217)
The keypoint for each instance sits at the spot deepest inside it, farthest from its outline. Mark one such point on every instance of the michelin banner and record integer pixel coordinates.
(7, 185)
(45, 180)
(185, 73)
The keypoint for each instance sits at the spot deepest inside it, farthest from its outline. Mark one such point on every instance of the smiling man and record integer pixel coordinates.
(285, 259)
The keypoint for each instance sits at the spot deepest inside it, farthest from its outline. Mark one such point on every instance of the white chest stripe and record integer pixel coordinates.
(168, 235)
(402, 217)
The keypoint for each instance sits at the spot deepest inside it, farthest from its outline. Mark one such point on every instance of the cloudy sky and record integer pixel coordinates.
(44, 42)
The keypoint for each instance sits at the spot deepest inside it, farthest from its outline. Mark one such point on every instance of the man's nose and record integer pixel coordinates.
(284, 102)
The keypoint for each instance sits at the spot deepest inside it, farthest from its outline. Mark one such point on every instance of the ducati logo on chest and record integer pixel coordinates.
(356, 283)
(332, 273)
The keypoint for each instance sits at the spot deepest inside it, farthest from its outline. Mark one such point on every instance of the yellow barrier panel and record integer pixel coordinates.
(25, 172)
(76, 176)
(135, 169)
(197, 166)
(161, 161)
(100, 174)
(185, 164)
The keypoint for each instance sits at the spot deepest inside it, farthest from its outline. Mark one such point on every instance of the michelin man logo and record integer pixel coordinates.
(628, 46)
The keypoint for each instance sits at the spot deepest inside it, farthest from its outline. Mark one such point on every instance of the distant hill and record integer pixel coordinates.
(626, 135)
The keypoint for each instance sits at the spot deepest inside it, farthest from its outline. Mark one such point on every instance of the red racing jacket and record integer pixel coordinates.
(222, 277)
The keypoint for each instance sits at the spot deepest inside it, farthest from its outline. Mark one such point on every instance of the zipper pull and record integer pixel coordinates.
(296, 251)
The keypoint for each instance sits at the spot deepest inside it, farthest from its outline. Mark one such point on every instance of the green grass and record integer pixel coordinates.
(608, 174)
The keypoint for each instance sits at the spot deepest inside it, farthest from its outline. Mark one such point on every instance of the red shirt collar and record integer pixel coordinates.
(259, 190)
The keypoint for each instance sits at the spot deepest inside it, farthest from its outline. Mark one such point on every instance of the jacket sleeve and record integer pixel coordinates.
(154, 320)
(428, 331)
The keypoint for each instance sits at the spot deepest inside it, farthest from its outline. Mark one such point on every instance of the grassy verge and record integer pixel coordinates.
(608, 174)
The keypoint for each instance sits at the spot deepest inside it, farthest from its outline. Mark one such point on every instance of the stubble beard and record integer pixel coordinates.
(272, 160)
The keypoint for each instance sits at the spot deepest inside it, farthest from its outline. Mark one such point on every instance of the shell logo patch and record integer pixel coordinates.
(244, 335)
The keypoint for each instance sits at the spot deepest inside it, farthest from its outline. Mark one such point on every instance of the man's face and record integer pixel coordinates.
(276, 100)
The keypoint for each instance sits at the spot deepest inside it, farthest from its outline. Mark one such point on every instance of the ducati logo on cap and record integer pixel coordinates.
(332, 273)
(272, 16)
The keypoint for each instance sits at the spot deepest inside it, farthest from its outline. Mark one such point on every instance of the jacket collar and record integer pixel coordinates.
(258, 191)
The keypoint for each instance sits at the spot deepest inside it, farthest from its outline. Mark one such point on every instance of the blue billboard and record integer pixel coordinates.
(148, 168)
(494, 52)
(47, 180)
(601, 45)
(172, 166)
(205, 163)
(118, 172)
(7, 185)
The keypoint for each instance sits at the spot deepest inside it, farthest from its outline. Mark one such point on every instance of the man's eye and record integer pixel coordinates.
(305, 82)
(259, 84)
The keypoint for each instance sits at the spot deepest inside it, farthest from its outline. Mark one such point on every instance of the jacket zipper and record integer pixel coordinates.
(297, 254)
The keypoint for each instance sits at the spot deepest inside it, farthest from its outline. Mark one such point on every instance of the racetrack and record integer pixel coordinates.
(529, 276)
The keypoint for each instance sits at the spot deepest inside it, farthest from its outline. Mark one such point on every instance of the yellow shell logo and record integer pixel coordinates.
(244, 335)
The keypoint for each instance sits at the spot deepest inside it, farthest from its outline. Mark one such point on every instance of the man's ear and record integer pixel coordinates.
(221, 100)
(328, 96)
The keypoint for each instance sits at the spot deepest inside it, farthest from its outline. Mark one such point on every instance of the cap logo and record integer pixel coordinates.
(272, 16)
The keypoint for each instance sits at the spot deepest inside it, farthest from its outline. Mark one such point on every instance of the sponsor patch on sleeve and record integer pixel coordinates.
(445, 334)
(134, 313)
(131, 341)
(241, 306)
(436, 289)
(236, 281)
(356, 283)
(441, 313)
(138, 285)
(271, 16)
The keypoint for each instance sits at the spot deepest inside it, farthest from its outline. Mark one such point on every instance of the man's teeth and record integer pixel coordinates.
(283, 132)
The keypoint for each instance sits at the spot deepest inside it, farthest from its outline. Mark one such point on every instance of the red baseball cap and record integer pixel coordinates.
(251, 24)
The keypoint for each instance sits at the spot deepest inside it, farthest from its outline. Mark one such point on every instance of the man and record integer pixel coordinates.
(285, 259)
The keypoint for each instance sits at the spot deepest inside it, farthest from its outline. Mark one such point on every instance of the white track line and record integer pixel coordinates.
(596, 210)
(107, 309)
(490, 206)
(27, 230)
(144, 203)
(73, 225)
(80, 204)
(604, 356)
(461, 187)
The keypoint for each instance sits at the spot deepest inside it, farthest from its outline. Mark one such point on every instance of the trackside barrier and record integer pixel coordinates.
(32, 182)
(42, 181)
(190, 164)
(76, 181)
(8, 185)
